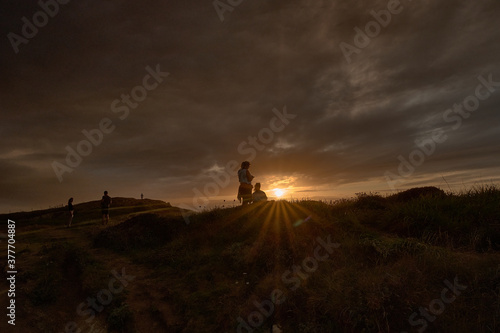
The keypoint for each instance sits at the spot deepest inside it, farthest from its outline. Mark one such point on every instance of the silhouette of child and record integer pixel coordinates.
(258, 194)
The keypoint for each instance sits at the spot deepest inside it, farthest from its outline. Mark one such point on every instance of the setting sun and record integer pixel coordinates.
(279, 192)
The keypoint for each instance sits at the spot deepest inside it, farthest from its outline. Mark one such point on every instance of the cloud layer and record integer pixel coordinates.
(354, 115)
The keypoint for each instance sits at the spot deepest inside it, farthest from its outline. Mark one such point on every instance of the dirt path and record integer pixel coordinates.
(144, 298)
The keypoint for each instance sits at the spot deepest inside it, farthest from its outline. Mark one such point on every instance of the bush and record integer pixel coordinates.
(120, 319)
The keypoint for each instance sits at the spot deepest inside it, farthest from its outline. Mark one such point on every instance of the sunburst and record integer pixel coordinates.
(279, 192)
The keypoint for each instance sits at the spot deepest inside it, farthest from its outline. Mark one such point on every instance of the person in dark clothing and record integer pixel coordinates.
(105, 203)
(71, 211)
(245, 188)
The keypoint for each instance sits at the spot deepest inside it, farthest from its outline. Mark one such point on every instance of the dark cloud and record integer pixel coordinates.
(352, 121)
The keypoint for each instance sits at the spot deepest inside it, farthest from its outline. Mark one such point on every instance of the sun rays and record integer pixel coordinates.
(278, 221)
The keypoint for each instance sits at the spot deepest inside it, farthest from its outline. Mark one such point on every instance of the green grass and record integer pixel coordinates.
(62, 263)
(395, 253)
(120, 319)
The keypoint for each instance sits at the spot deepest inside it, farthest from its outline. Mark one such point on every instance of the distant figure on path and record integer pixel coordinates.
(245, 189)
(142, 196)
(105, 203)
(258, 194)
(71, 211)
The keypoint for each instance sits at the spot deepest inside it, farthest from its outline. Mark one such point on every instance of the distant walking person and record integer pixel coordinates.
(245, 189)
(105, 203)
(71, 211)
(142, 196)
(258, 194)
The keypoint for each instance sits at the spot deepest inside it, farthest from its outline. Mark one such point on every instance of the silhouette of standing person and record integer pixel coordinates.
(71, 211)
(105, 203)
(142, 196)
(245, 189)
(258, 194)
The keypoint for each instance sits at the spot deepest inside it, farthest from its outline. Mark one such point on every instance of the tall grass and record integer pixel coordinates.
(395, 253)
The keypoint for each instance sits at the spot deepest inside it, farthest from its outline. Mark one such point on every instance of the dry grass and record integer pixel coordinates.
(395, 254)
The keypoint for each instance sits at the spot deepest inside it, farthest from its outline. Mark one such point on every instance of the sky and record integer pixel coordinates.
(325, 98)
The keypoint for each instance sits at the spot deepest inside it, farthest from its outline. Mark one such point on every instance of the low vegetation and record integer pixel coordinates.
(420, 260)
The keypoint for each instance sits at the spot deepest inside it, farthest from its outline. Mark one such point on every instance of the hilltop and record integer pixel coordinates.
(85, 211)
(421, 260)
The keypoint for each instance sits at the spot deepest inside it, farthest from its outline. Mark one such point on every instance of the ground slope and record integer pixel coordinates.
(420, 260)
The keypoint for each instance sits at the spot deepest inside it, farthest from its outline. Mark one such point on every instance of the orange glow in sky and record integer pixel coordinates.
(279, 192)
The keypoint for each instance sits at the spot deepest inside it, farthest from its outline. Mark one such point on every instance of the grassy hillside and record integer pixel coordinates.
(420, 260)
(85, 212)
